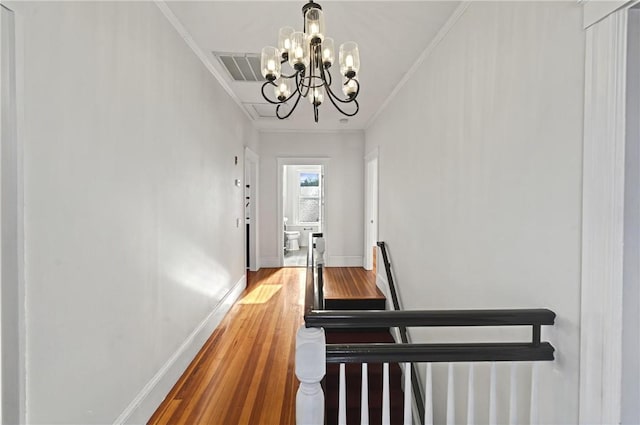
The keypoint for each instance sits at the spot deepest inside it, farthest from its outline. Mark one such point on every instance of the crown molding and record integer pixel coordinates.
(204, 58)
(453, 19)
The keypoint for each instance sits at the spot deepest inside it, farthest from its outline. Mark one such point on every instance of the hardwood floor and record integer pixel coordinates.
(245, 374)
(350, 282)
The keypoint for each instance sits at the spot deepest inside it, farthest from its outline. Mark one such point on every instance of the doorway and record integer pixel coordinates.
(301, 207)
(370, 209)
(251, 209)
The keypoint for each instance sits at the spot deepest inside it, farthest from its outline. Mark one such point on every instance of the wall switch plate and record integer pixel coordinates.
(238, 182)
(237, 222)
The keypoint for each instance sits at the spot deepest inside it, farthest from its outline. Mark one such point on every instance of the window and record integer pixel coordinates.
(308, 197)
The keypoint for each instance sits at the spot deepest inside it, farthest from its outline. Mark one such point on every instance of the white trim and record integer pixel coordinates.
(344, 261)
(12, 223)
(453, 19)
(204, 58)
(154, 392)
(603, 221)
(281, 162)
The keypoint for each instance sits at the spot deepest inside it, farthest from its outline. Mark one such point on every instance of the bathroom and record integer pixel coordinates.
(302, 207)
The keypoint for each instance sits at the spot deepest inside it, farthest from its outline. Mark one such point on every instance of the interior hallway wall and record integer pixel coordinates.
(480, 186)
(344, 182)
(131, 241)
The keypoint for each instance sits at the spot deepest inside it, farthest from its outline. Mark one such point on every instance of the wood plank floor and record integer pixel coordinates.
(245, 374)
(350, 283)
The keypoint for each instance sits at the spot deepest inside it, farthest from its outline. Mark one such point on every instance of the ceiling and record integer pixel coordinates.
(391, 36)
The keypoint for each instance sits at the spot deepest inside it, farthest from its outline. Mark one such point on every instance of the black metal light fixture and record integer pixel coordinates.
(309, 54)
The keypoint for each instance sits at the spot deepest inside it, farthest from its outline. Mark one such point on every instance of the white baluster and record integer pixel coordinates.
(310, 369)
(386, 410)
(533, 404)
(513, 395)
(364, 399)
(320, 246)
(451, 410)
(342, 397)
(428, 397)
(471, 396)
(408, 419)
(493, 420)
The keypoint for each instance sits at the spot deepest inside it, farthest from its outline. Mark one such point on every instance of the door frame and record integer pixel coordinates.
(251, 169)
(371, 196)
(12, 293)
(323, 161)
(604, 193)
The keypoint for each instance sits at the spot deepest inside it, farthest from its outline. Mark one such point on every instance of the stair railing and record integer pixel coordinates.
(418, 397)
(312, 352)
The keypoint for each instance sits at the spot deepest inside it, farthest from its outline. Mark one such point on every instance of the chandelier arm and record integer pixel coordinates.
(273, 102)
(301, 84)
(315, 112)
(353, 100)
(332, 94)
(327, 72)
(266, 83)
(291, 110)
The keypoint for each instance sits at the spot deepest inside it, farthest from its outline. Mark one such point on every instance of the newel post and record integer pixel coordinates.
(310, 369)
(320, 247)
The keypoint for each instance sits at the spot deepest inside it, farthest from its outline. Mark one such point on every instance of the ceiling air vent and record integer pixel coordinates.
(241, 66)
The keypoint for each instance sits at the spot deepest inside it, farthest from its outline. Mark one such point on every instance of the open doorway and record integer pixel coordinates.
(251, 208)
(301, 206)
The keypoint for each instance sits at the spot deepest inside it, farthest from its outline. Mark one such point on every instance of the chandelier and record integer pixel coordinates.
(309, 55)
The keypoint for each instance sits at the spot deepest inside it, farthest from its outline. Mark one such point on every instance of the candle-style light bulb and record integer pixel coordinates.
(328, 55)
(349, 59)
(284, 41)
(282, 89)
(269, 63)
(299, 51)
(314, 25)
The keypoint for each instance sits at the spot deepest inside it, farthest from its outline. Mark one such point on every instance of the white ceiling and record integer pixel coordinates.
(391, 36)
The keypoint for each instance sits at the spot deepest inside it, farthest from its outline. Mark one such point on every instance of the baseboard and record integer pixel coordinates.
(344, 261)
(269, 262)
(150, 397)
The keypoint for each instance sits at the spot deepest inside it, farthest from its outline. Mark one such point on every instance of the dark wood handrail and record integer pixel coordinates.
(428, 318)
(401, 353)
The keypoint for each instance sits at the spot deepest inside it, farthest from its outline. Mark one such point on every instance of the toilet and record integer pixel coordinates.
(291, 238)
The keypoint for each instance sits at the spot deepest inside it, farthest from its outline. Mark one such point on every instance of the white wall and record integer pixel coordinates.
(343, 191)
(480, 183)
(130, 207)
